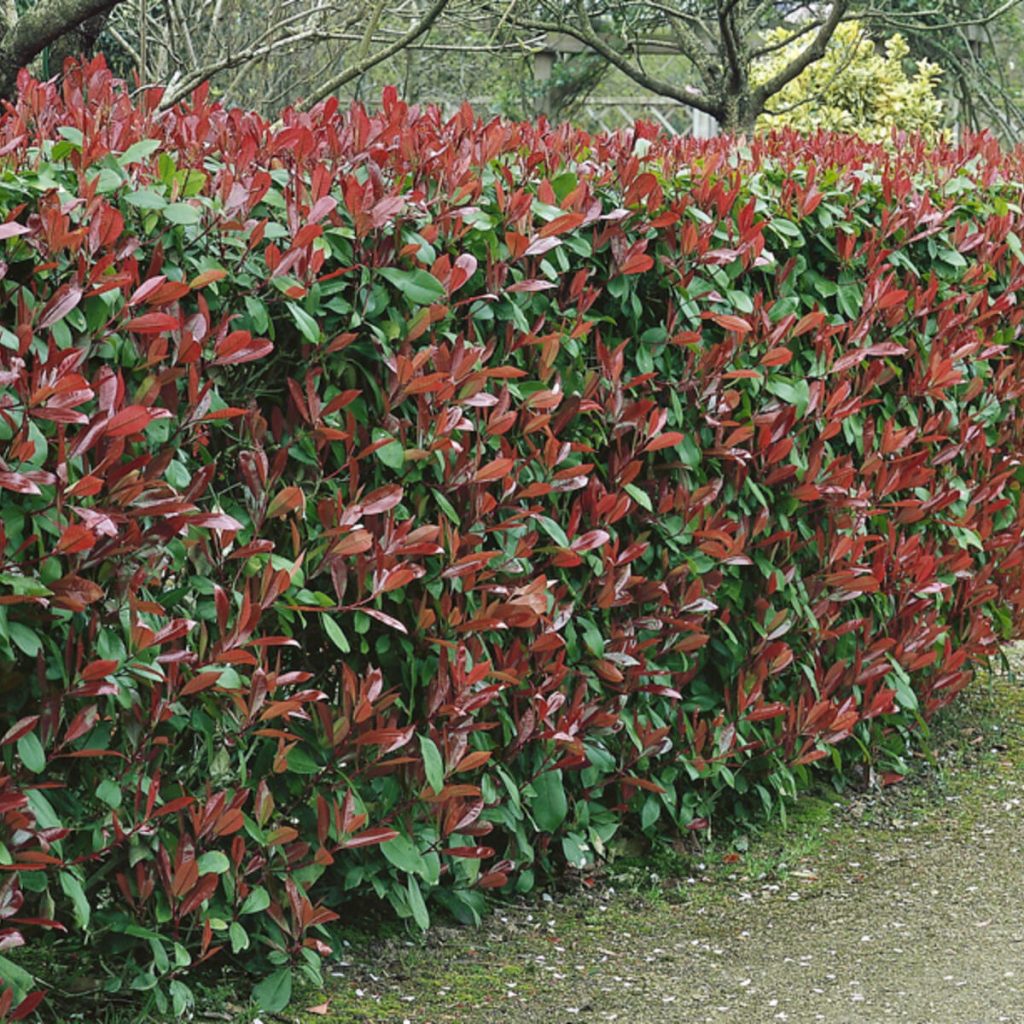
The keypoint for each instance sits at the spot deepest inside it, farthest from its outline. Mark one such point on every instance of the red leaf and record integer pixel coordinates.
(146, 289)
(75, 593)
(82, 723)
(493, 880)
(98, 670)
(567, 222)
(474, 760)
(74, 539)
(18, 482)
(215, 521)
(27, 1005)
(241, 347)
(494, 470)
(893, 298)
(637, 263)
(201, 280)
(370, 837)
(808, 322)
(130, 420)
(152, 323)
(382, 499)
(666, 440)
(19, 729)
(469, 852)
(730, 322)
(354, 543)
(289, 500)
(388, 620)
(177, 804)
(540, 245)
(65, 298)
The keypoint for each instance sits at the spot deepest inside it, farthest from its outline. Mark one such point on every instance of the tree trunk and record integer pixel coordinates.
(78, 42)
(739, 114)
(44, 25)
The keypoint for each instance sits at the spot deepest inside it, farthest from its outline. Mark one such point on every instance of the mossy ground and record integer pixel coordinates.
(874, 905)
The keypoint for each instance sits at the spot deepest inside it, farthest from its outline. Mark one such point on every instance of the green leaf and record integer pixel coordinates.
(181, 998)
(274, 992)
(650, 812)
(446, 507)
(73, 890)
(563, 184)
(213, 863)
(24, 586)
(257, 901)
(549, 806)
(393, 454)
(418, 286)
(73, 135)
(138, 151)
(640, 496)
(26, 639)
(307, 326)
(592, 637)
(190, 182)
(691, 456)
(417, 904)
(793, 392)
(182, 213)
(402, 852)
(30, 750)
(850, 300)
(239, 937)
(905, 696)
(335, 634)
(553, 530)
(301, 762)
(572, 848)
(17, 977)
(146, 199)
(433, 763)
(110, 793)
(108, 180)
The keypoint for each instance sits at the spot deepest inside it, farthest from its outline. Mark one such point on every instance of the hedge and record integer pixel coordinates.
(409, 507)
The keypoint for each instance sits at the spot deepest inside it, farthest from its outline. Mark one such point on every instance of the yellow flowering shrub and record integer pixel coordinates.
(853, 88)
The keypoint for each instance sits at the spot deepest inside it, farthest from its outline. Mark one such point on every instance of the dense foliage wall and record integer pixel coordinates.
(410, 507)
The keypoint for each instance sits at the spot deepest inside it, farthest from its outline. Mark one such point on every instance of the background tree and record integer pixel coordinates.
(722, 42)
(264, 54)
(856, 87)
(977, 51)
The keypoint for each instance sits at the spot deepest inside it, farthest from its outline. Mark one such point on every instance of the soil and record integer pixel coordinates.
(895, 905)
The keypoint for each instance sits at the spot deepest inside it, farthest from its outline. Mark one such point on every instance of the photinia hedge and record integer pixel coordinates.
(407, 507)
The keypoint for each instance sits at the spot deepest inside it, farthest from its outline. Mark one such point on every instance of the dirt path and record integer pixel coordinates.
(906, 906)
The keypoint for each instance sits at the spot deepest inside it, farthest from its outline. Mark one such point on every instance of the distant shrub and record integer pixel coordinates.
(853, 88)
(408, 507)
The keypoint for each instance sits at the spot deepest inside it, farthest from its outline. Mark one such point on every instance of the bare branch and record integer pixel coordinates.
(361, 67)
(583, 30)
(919, 19)
(814, 51)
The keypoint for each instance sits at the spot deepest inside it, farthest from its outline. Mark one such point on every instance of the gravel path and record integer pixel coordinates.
(919, 929)
(902, 906)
